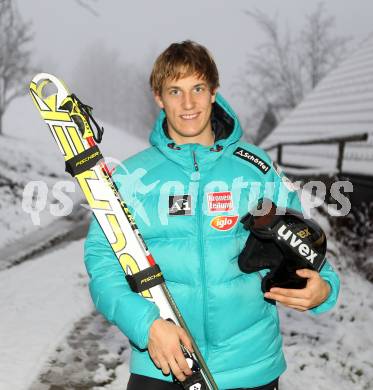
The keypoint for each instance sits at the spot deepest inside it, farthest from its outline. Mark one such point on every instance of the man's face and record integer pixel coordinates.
(188, 103)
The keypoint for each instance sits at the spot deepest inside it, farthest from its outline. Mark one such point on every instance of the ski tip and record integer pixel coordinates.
(45, 85)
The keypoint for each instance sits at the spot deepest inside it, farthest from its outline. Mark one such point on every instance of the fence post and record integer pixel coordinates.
(341, 149)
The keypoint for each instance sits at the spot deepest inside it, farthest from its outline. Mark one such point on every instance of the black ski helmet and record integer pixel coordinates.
(282, 240)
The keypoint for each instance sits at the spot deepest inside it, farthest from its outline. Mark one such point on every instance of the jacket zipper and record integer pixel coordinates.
(202, 261)
(195, 161)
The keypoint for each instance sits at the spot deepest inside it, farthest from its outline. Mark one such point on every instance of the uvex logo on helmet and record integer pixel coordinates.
(291, 238)
(224, 222)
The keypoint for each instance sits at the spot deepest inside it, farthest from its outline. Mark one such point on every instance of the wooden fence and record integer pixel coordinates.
(341, 141)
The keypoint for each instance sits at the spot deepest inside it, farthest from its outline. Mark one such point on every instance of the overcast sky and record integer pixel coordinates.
(140, 29)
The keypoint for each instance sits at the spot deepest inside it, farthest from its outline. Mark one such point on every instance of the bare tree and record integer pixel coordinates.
(14, 57)
(118, 90)
(87, 5)
(285, 68)
(320, 51)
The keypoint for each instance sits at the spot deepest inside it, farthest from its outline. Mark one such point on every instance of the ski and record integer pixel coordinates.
(69, 121)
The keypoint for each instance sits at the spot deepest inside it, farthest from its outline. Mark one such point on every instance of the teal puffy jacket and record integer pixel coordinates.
(196, 240)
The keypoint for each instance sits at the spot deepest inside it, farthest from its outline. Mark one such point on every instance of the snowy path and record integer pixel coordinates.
(39, 302)
(324, 352)
(94, 355)
(49, 336)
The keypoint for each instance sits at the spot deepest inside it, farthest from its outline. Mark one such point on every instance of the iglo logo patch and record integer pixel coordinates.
(223, 222)
(219, 201)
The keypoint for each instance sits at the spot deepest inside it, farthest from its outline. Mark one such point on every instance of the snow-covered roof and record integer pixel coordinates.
(340, 105)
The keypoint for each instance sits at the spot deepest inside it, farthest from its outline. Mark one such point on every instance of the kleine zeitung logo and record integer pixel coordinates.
(219, 201)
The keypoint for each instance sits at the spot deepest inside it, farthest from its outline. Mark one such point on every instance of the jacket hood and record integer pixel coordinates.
(225, 125)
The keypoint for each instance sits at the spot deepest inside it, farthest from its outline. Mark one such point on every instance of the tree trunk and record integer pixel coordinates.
(2, 102)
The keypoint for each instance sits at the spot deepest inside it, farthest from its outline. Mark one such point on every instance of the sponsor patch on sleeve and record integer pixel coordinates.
(252, 159)
(285, 180)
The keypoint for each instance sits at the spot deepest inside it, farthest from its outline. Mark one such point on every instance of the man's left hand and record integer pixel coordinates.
(315, 292)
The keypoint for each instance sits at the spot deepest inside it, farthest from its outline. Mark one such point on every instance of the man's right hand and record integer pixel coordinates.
(164, 348)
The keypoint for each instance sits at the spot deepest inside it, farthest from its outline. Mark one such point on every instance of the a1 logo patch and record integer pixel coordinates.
(219, 201)
(180, 205)
(224, 222)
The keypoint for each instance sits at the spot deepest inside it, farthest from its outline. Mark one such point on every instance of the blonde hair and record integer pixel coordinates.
(181, 60)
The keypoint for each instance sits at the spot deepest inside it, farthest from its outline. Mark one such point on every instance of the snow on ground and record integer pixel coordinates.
(94, 354)
(333, 350)
(328, 351)
(39, 302)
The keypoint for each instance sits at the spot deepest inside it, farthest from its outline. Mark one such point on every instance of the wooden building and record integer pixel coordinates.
(319, 136)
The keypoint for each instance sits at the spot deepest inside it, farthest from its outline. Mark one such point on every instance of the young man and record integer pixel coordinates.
(201, 182)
